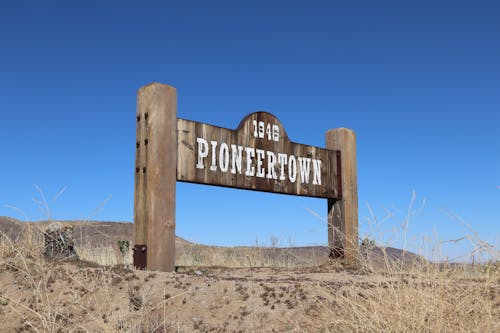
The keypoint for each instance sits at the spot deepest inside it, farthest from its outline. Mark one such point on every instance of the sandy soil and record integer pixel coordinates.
(206, 300)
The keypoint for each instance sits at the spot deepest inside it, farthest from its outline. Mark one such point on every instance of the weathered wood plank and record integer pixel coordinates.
(156, 162)
(139, 180)
(257, 155)
(343, 213)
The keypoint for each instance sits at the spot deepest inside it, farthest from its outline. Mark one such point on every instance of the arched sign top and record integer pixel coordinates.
(264, 124)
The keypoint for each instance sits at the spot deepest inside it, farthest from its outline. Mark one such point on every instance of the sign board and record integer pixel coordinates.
(257, 155)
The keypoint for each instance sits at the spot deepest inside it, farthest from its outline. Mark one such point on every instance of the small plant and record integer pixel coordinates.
(368, 243)
(490, 268)
(124, 247)
(3, 301)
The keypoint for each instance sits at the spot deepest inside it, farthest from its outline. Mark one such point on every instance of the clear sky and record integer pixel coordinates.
(419, 82)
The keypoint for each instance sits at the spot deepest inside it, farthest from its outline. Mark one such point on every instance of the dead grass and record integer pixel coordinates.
(421, 298)
(291, 295)
(237, 257)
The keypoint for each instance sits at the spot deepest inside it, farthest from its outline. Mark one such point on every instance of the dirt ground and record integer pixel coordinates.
(206, 300)
(389, 291)
(70, 297)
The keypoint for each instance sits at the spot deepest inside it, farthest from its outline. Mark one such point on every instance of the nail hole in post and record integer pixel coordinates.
(146, 115)
(144, 170)
(138, 117)
(146, 142)
(137, 145)
(136, 170)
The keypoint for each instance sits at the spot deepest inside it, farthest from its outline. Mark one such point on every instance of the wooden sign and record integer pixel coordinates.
(258, 155)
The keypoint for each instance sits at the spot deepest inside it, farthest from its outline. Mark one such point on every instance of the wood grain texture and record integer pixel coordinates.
(155, 174)
(140, 193)
(244, 136)
(343, 213)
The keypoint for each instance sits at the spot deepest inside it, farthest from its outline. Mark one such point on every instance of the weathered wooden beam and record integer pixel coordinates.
(207, 154)
(343, 213)
(155, 174)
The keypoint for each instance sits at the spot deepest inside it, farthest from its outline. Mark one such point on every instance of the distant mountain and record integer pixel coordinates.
(100, 233)
(10, 227)
(92, 233)
(85, 232)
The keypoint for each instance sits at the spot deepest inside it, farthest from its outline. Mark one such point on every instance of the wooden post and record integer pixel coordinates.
(155, 175)
(343, 213)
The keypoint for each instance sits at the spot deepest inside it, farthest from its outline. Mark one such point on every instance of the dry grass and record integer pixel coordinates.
(380, 296)
(420, 298)
(105, 255)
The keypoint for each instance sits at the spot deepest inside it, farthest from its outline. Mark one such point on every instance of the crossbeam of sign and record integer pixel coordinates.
(256, 156)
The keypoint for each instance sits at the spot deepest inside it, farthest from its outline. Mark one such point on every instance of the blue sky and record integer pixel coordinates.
(419, 82)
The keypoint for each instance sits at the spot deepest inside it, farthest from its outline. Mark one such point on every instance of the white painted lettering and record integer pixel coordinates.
(271, 162)
(292, 168)
(305, 169)
(317, 172)
(250, 152)
(202, 152)
(276, 133)
(236, 152)
(261, 172)
(279, 165)
(213, 167)
(224, 157)
(282, 160)
(261, 129)
(269, 132)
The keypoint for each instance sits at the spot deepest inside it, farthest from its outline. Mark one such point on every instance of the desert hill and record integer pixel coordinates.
(100, 234)
(92, 233)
